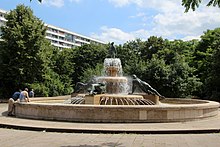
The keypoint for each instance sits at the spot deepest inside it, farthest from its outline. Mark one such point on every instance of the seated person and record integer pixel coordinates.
(11, 102)
(24, 96)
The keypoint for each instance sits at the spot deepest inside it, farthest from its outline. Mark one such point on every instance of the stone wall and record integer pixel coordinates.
(116, 113)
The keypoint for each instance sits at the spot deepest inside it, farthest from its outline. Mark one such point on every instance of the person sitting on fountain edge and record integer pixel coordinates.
(11, 101)
(144, 86)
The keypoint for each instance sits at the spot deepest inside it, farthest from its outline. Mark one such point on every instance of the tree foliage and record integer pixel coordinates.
(207, 61)
(166, 65)
(29, 60)
(85, 57)
(193, 4)
(175, 68)
(24, 40)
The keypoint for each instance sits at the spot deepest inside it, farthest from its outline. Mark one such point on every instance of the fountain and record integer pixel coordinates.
(115, 82)
(115, 103)
(117, 89)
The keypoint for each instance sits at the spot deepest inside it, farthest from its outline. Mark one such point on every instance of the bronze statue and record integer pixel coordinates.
(80, 87)
(112, 50)
(144, 86)
(97, 88)
(92, 88)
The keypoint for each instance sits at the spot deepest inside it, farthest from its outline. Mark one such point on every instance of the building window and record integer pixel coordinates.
(61, 32)
(69, 37)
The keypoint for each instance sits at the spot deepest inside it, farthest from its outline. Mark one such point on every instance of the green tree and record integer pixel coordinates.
(55, 80)
(182, 80)
(207, 62)
(129, 54)
(164, 64)
(193, 4)
(28, 58)
(91, 72)
(85, 57)
(214, 76)
(153, 71)
(177, 47)
(151, 47)
(64, 67)
(24, 40)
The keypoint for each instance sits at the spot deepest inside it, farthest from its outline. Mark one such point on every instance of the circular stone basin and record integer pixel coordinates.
(169, 110)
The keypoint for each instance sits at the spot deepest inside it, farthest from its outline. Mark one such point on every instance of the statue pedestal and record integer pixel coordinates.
(93, 99)
(153, 98)
(112, 71)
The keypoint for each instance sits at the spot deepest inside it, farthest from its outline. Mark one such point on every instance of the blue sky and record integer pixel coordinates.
(123, 20)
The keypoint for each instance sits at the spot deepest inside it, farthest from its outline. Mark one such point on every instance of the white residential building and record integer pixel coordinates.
(60, 37)
(2, 19)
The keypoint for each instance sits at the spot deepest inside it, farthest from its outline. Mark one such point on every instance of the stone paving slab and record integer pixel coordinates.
(210, 125)
(11, 138)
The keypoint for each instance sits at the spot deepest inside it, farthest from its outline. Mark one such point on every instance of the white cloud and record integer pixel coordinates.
(186, 24)
(167, 20)
(120, 3)
(191, 38)
(170, 21)
(112, 35)
(118, 36)
(140, 14)
(58, 3)
(77, 1)
(164, 5)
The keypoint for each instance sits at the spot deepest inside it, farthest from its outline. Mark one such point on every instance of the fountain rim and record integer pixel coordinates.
(201, 103)
(116, 113)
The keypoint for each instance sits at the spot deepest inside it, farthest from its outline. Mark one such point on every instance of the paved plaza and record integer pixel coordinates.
(11, 137)
(25, 132)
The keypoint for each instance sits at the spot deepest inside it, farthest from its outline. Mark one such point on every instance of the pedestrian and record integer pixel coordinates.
(31, 93)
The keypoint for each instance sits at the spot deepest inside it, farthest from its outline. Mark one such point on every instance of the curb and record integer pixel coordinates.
(61, 130)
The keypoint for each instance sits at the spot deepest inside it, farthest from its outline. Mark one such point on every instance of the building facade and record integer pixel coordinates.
(2, 19)
(60, 37)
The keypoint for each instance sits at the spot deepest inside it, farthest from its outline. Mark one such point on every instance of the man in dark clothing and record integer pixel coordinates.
(11, 102)
(16, 95)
